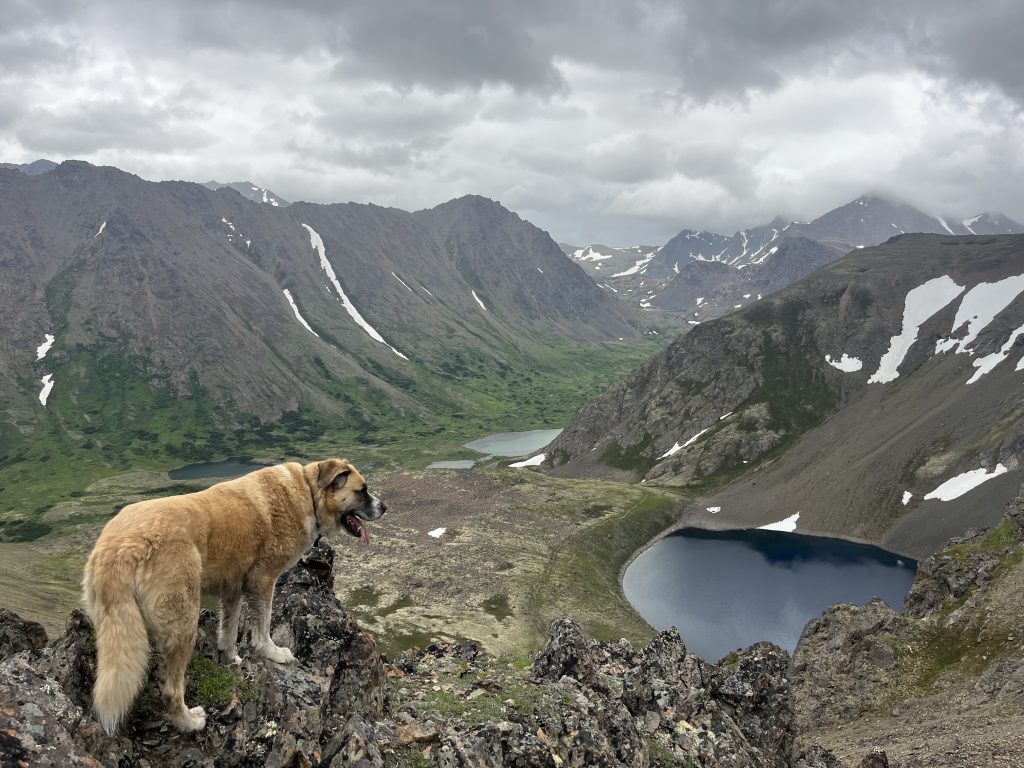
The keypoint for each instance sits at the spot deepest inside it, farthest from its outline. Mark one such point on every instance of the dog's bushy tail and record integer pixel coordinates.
(122, 646)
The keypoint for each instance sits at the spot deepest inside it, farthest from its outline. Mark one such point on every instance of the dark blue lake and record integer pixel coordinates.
(223, 470)
(725, 590)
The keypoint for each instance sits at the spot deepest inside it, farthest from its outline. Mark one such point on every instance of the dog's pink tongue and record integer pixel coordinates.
(363, 534)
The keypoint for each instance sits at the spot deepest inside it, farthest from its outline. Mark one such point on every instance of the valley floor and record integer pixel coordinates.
(518, 550)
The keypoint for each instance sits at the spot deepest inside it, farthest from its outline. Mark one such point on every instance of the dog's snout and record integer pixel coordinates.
(383, 506)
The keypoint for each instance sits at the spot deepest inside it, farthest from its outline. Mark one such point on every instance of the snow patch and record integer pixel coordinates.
(714, 510)
(540, 270)
(671, 451)
(402, 282)
(47, 382)
(907, 496)
(678, 447)
(921, 303)
(987, 363)
(957, 486)
(589, 254)
(43, 348)
(437, 533)
(100, 230)
(726, 416)
(968, 222)
(788, 525)
(945, 226)
(638, 267)
(533, 461)
(295, 309)
(478, 300)
(846, 364)
(693, 439)
(978, 308)
(317, 243)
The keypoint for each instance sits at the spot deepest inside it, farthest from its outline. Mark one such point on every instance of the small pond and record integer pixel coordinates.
(456, 464)
(725, 590)
(221, 469)
(502, 444)
(514, 443)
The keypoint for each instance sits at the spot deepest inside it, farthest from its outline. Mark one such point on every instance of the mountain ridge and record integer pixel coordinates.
(211, 316)
(756, 409)
(763, 258)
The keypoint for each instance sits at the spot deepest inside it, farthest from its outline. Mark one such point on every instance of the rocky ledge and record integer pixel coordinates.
(940, 683)
(578, 703)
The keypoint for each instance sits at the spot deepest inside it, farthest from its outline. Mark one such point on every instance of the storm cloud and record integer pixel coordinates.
(600, 120)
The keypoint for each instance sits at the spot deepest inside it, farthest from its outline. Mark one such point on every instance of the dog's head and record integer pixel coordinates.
(341, 498)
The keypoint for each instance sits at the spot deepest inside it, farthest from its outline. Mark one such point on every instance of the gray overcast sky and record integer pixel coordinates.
(598, 120)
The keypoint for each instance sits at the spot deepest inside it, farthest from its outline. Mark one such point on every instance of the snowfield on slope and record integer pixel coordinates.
(48, 383)
(788, 525)
(846, 364)
(978, 308)
(957, 486)
(317, 243)
(921, 303)
(295, 309)
(43, 348)
(533, 461)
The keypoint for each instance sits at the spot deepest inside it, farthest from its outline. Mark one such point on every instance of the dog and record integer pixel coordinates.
(152, 561)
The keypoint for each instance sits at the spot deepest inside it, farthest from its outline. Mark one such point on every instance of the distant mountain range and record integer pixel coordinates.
(169, 318)
(250, 191)
(707, 275)
(866, 400)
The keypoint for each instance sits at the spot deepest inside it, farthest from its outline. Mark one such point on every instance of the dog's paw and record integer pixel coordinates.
(279, 654)
(193, 720)
(231, 659)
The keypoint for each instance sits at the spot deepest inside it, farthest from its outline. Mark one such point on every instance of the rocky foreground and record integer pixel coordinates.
(577, 703)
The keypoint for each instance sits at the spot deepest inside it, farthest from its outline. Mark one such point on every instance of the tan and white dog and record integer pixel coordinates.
(154, 558)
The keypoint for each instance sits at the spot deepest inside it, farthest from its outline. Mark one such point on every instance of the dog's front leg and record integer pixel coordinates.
(227, 635)
(261, 600)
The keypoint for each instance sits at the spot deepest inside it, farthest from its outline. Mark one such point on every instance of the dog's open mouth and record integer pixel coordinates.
(355, 526)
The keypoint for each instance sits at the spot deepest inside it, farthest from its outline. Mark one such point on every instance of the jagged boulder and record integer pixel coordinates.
(841, 662)
(18, 634)
(262, 714)
(581, 702)
(964, 565)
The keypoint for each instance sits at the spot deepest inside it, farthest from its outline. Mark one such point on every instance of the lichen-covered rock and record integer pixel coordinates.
(840, 663)
(817, 757)
(262, 714)
(580, 704)
(566, 654)
(876, 758)
(18, 634)
(964, 565)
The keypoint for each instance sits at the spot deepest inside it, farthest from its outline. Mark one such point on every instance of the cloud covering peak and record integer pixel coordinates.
(600, 121)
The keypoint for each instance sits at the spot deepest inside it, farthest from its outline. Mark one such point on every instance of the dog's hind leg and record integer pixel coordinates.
(227, 635)
(260, 591)
(172, 610)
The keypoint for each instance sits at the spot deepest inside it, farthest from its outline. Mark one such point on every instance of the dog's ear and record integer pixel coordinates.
(332, 472)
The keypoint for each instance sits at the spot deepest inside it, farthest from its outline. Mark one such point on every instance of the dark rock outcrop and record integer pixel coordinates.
(18, 634)
(959, 569)
(267, 714)
(581, 703)
(954, 648)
